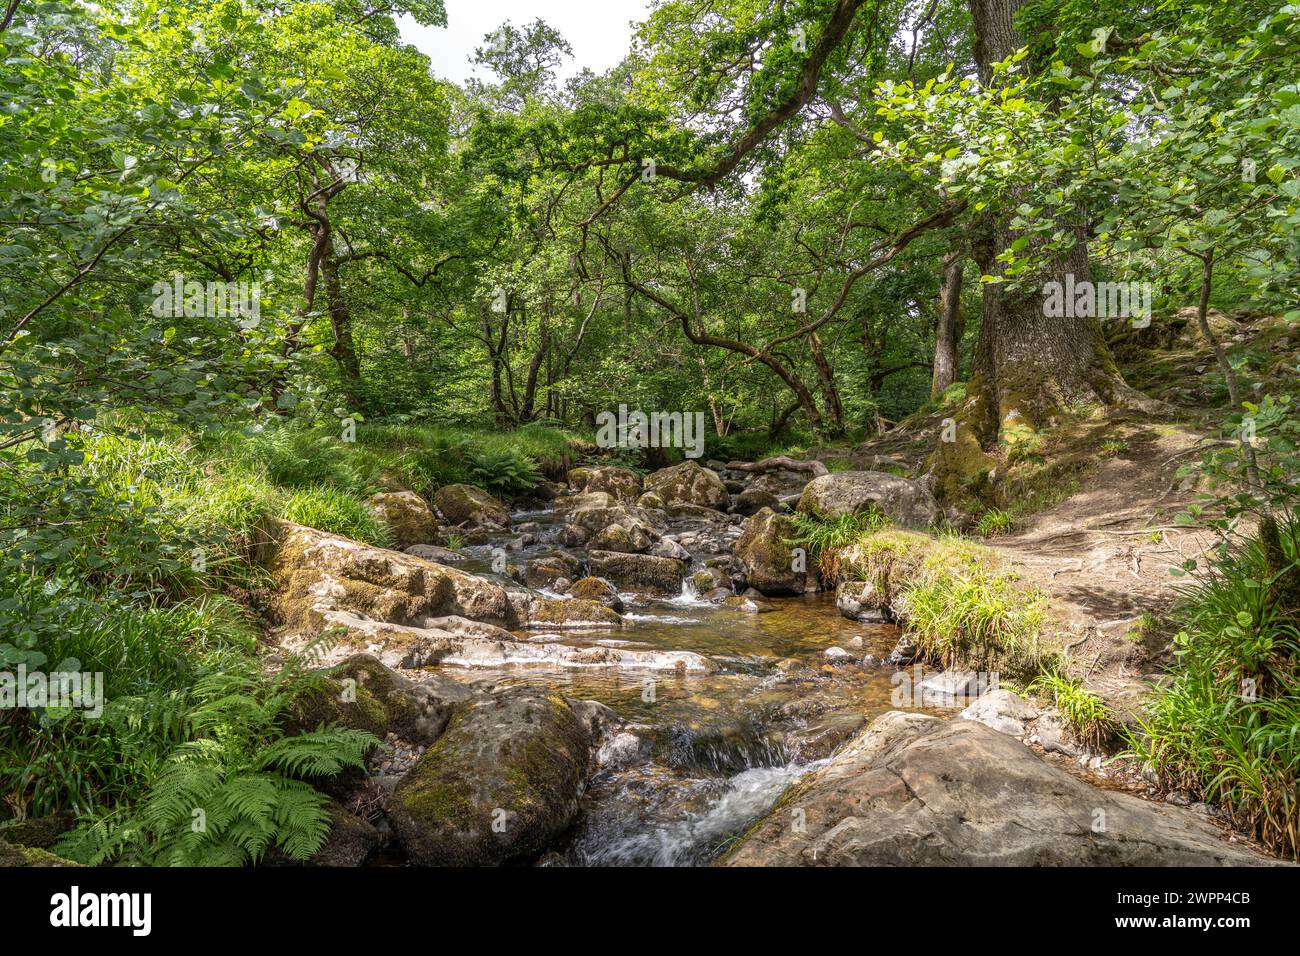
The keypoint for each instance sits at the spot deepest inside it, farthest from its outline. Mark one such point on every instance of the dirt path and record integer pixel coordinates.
(1104, 554)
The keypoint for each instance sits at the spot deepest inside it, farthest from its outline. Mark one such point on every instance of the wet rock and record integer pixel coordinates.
(431, 552)
(471, 506)
(837, 655)
(688, 484)
(316, 574)
(904, 652)
(668, 548)
(597, 589)
(752, 500)
(859, 601)
(622, 484)
(501, 783)
(544, 572)
(407, 516)
(709, 579)
(823, 736)
(639, 572)
(423, 647)
(903, 501)
(629, 537)
(573, 612)
(766, 557)
(918, 791)
(620, 751)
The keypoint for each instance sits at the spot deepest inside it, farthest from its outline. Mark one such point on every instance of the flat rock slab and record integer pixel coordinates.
(919, 791)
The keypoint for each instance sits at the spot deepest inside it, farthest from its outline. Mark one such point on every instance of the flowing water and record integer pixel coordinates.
(712, 752)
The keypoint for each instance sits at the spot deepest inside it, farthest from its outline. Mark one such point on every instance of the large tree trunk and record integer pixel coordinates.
(1028, 367)
(951, 325)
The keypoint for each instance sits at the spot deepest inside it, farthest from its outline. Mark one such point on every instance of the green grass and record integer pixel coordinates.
(1084, 712)
(1226, 726)
(959, 600)
(334, 510)
(994, 522)
(826, 539)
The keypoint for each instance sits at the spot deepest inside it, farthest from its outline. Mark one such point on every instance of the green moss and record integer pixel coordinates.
(11, 855)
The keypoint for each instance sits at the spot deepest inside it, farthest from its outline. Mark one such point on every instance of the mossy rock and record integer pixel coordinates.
(501, 784)
(574, 612)
(597, 589)
(904, 502)
(468, 505)
(14, 855)
(407, 515)
(766, 556)
(315, 572)
(622, 484)
(688, 484)
(643, 572)
(361, 693)
(545, 571)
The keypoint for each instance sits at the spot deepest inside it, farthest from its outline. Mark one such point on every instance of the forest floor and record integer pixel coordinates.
(1094, 505)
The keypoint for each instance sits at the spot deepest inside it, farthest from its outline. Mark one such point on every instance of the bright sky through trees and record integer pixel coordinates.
(599, 32)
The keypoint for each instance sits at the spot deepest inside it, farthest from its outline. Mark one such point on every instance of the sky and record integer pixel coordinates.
(598, 31)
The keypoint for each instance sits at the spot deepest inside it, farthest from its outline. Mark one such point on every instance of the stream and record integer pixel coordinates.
(702, 756)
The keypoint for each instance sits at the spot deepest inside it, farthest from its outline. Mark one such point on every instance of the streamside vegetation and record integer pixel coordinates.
(260, 263)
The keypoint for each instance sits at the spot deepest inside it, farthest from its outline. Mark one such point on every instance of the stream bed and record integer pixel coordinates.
(702, 756)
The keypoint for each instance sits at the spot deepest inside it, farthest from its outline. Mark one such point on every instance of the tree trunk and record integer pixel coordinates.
(345, 349)
(1028, 366)
(951, 326)
(830, 394)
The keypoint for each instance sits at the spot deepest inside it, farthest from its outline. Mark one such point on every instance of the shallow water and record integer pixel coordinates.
(718, 749)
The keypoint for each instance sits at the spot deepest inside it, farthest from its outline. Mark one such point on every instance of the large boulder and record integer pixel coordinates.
(765, 555)
(629, 537)
(407, 516)
(573, 612)
(500, 785)
(545, 571)
(362, 693)
(316, 573)
(474, 507)
(688, 484)
(915, 790)
(638, 572)
(622, 484)
(903, 501)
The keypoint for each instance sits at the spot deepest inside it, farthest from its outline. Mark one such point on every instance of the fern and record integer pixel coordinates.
(239, 788)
